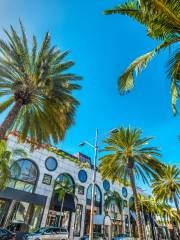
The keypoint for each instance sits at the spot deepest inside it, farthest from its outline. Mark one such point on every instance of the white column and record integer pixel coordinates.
(71, 237)
(83, 220)
(45, 213)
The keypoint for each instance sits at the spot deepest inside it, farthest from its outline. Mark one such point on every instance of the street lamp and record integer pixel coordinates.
(96, 150)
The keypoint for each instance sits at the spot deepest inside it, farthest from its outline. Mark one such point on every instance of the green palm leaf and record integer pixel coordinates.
(40, 89)
(162, 21)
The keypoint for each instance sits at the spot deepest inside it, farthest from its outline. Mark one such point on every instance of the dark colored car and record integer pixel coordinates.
(121, 237)
(21, 229)
(6, 234)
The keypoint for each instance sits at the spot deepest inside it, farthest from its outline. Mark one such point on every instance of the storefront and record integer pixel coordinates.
(18, 202)
(67, 205)
(32, 200)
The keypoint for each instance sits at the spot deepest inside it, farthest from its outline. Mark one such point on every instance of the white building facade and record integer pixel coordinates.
(31, 198)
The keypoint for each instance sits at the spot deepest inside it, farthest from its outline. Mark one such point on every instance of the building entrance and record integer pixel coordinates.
(18, 214)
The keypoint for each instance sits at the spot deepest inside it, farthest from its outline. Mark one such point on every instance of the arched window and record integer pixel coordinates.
(24, 174)
(97, 207)
(65, 178)
(98, 194)
(63, 198)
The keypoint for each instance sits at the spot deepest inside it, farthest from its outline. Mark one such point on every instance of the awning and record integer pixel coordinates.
(98, 219)
(102, 220)
(18, 195)
(69, 204)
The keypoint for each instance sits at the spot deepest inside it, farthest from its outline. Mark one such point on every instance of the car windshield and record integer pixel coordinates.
(40, 230)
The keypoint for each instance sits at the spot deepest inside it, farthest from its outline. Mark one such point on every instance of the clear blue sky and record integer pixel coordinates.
(102, 47)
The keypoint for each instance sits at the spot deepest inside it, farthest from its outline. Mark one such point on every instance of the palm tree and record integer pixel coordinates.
(6, 157)
(36, 88)
(112, 198)
(166, 186)
(129, 157)
(162, 21)
(62, 188)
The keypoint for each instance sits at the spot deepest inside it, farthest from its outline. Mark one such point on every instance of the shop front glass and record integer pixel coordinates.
(26, 214)
(4, 206)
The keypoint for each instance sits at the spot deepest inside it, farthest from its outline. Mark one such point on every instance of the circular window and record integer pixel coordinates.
(106, 185)
(82, 175)
(124, 192)
(51, 163)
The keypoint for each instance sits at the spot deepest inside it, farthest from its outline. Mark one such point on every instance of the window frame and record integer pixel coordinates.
(54, 169)
(34, 184)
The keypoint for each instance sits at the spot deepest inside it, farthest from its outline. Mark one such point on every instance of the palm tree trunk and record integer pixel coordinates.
(62, 205)
(178, 210)
(176, 203)
(114, 219)
(7, 123)
(137, 206)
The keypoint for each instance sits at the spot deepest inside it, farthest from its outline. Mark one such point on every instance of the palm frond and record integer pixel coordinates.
(126, 81)
(174, 75)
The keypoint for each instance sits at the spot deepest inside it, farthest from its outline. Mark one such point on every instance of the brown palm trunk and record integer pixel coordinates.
(137, 206)
(178, 211)
(6, 125)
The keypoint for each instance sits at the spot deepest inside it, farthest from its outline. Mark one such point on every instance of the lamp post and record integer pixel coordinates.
(95, 147)
(93, 187)
(96, 150)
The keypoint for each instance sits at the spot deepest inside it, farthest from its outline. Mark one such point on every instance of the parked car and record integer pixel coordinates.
(121, 237)
(6, 234)
(48, 233)
(20, 228)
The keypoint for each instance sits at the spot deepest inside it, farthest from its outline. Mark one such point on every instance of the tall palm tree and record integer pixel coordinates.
(166, 186)
(112, 198)
(6, 157)
(62, 188)
(129, 156)
(159, 210)
(36, 88)
(162, 21)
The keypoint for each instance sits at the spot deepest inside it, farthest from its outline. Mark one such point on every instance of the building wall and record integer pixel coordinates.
(64, 166)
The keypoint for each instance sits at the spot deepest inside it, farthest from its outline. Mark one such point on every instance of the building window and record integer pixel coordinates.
(24, 174)
(77, 223)
(106, 185)
(124, 192)
(80, 190)
(82, 175)
(64, 178)
(125, 204)
(126, 221)
(97, 193)
(51, 164)
(27, 213)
